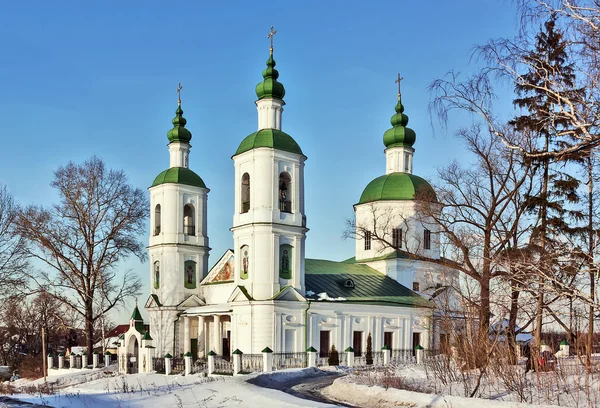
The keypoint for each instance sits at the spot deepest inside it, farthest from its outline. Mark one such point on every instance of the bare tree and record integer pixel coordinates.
(12, 246)
(83, 239)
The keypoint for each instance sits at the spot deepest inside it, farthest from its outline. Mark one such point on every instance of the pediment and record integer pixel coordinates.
(289, 293)
(192, 301)
(239, 294)
(223, 270)
(152, 302)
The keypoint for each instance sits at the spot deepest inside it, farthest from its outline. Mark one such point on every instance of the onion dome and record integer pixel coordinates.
(179, 133)
(399, 134)
(397, 186)
(270, 87)
(179, 175)
(272, 138)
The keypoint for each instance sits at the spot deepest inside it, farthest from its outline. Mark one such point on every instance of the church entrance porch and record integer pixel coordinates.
(204, 333)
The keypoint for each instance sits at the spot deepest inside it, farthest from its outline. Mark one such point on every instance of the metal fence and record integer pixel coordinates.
(289, 360)
(78, 361)
(252, 363)
(177, 365)
(158, 365)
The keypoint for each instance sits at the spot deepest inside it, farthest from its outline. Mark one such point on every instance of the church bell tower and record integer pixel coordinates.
(178, 245)
(269, 223)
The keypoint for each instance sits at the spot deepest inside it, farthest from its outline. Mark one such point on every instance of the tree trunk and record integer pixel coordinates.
(512, 322)
(590, 256)
(543, 264)
(89, 330)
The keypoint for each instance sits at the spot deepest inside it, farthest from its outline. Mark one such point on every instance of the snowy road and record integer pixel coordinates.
(6, 402)
(310, 388)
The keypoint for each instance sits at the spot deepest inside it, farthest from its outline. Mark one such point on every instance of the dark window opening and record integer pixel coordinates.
(324, 343)
(357, 343)
(157, 219)
(285, 193)
(416, 286)
(349, 283)
(189, 223)
(427, 239)
(367, 240)
(387, 339)
(397, 238)
(245, 193)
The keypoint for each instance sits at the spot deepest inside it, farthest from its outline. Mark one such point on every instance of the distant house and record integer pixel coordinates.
(113, 338)
(498, 333)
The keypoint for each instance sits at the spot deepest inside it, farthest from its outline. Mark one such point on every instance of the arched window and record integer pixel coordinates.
(285, 193)
(157, 219)
(245, 262)
(189, 220)
(189, 274)
(245, 193)
(156, 275)
(285, 261)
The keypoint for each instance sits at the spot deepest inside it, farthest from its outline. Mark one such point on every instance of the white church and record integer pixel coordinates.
(265, 292)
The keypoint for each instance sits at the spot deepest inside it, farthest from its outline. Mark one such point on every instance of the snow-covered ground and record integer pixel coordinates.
(106, 389)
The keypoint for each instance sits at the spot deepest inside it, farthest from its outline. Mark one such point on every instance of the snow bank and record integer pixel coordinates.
(378, 397)
(276, 378)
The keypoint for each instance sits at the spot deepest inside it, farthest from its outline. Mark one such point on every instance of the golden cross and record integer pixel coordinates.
(179, 88)
(270, 36)
(397, 81)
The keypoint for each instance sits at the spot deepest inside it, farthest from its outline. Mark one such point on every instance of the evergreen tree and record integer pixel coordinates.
(369, 355)
(334, 357)
(541, 91)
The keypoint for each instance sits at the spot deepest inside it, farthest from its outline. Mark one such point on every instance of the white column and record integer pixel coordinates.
(408, 333)
(350, 358)
(168, 361)
(217, 336)
(378, 334)
(188, 363)
(201, 344)
(95, 359)
(187, 344)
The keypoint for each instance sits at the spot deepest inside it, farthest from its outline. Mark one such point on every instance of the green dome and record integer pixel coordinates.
(179, 133)
(179, 175)
(273, 138)
(399, 134)
(396, 186)
(269, 87)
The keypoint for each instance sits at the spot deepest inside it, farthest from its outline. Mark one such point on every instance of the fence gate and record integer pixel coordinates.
(132, 364)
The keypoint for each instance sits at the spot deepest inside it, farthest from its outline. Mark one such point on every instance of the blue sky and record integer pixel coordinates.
(98, 78)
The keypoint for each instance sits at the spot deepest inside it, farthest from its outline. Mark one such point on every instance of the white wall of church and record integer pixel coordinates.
(171, 246)
(343, 320)
(262, 226)
(386, 215)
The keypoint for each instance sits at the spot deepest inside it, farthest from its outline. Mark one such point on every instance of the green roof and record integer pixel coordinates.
(270, 87)
(399, 134)
(136, 315)
(179, 175)
(273, 138)
(370, 285)
(179, 133)
(396, 186)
